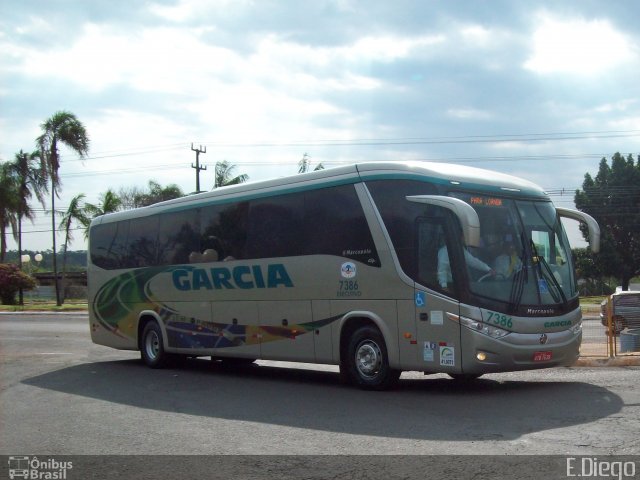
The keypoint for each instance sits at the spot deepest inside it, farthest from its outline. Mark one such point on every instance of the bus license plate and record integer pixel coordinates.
(542, 356)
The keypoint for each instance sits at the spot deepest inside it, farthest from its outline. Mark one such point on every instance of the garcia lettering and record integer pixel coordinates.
(242, 277)
(560, 323)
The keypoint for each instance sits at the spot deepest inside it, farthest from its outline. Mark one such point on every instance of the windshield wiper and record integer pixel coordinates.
(549, 277)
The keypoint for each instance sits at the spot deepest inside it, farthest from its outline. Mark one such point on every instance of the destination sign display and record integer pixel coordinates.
(486, 201)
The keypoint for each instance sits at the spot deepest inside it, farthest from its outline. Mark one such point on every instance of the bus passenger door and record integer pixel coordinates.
(438, 335)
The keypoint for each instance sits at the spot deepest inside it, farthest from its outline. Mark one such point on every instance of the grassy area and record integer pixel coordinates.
(591, 304)
(71, 305)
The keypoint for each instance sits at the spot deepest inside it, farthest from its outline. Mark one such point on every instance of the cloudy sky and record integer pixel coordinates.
(541, 90)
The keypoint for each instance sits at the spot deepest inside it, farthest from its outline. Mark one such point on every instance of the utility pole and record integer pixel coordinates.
(197, 165)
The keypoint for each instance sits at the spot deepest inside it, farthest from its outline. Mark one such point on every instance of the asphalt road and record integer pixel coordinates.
(62, 395)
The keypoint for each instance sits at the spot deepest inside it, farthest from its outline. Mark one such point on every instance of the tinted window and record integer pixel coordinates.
(276, 227)
(102, 237)
(178, 236)
(399, 216)
(327, 221)
(433, 259)
(335, 225)
(109, 245)
(224, 230)
(143, 242)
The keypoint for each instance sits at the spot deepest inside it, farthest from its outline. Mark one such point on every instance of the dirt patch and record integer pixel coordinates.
(608, 362)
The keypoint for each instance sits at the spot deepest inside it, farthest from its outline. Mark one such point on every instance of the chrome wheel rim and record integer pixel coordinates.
(152, 345)
(368, 358)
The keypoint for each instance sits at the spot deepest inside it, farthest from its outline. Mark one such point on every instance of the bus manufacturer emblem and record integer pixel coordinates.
(543, 339)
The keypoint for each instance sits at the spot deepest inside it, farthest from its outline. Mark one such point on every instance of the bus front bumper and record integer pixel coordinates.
(519, 351)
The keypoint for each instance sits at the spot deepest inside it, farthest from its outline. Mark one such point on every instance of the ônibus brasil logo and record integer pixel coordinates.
(36, 469)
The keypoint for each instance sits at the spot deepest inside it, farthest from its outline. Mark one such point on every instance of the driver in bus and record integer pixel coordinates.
(444, 266)
(508, 262)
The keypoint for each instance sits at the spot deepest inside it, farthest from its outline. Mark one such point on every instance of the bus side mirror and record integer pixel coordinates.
(588, 220)
(465, 213)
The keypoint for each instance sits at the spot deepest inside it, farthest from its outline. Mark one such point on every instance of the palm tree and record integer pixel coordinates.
(305, 164)
(75, 212)
(31, 181)
(224, 175)
(8, 205)
(157, 193)
(109, 202)
(62, 128)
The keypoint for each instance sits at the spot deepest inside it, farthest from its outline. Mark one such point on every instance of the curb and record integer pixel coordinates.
(44, 312)
(608, 362)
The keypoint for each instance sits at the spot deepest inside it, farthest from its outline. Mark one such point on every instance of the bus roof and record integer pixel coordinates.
(467, 178)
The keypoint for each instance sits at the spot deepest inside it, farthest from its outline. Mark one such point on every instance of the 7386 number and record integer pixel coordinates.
(349, 285)
(500, 319)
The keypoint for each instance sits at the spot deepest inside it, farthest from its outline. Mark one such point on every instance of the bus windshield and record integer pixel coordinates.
(524, 257)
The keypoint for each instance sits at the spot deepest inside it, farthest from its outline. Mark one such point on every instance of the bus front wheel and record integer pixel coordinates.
(152, 348)
(367, 363)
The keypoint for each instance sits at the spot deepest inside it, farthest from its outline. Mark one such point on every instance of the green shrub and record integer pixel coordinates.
(11, 280)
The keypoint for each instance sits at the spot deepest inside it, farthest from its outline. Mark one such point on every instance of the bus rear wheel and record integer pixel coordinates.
(367, 362)
(152, 347)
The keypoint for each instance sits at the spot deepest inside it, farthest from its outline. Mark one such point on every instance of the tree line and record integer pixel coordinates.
(612, 197)
(34, 175)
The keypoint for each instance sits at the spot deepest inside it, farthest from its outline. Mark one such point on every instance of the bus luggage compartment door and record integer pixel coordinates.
(285, 330)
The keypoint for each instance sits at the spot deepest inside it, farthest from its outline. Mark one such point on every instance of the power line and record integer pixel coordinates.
(169, 167)
(498, 138)
(434, 141)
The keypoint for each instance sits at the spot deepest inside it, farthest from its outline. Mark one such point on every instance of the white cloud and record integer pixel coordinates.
(246, 72)
(159, 59)
(476, 34)
(577, 46)
(620, 106)
(185, 10)
(469, 114)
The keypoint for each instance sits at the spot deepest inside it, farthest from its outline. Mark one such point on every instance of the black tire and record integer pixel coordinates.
(367, 361)
(152, 347)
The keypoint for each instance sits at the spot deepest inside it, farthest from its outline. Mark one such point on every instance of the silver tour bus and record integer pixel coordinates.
(375, 267)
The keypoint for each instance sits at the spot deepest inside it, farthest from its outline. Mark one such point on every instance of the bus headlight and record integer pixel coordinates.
(481, 327)
(577, 328)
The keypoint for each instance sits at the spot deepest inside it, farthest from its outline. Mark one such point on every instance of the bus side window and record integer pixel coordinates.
(102, 237)
(109, 245)
(399, 216)
(178, 236)
(142, 243)
(275, 227)
(434, 266)
(224, 229)
(335, 224)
